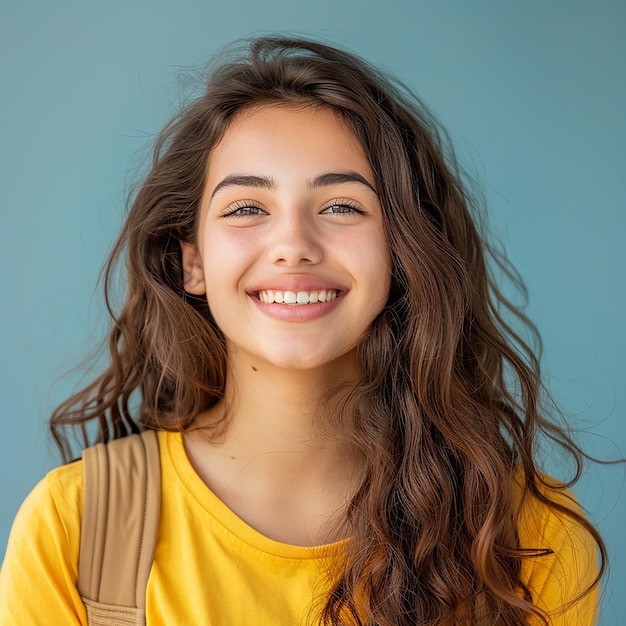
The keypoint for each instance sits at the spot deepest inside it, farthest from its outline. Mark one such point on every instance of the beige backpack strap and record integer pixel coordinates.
(121, 508)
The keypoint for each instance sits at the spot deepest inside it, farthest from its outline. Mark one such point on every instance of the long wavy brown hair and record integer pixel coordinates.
(449, 406)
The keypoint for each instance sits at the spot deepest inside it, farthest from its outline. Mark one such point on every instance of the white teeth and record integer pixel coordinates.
(301, 297)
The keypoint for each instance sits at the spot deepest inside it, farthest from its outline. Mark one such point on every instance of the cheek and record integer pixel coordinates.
(227, 254)
(221, 260)
(376, 260)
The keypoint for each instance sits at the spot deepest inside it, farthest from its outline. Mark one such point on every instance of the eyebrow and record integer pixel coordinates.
(338, 178)
(267, 182)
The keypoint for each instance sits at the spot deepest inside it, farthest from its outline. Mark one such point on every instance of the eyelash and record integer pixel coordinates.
(244, 208)
(342, 203)
(248, 208)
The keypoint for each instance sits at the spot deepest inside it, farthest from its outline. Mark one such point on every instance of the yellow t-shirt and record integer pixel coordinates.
(211, 568)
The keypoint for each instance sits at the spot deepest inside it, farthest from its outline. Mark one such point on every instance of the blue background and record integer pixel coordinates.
(532, 92)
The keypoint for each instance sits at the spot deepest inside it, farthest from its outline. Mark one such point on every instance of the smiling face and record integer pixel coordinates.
(291, 251)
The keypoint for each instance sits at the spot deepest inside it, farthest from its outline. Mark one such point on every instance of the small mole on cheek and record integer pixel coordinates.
(254, 369)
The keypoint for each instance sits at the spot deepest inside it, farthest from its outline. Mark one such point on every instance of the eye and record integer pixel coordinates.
(342, 207)
(244, 208)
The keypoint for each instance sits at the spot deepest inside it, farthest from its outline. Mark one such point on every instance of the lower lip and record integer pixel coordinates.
(296, 312)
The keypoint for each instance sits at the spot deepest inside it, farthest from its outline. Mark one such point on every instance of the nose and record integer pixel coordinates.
(294, 241)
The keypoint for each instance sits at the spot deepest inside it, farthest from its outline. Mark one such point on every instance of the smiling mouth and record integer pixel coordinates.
(293, 298)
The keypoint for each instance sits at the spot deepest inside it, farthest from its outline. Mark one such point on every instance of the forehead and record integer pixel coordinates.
(279, 137)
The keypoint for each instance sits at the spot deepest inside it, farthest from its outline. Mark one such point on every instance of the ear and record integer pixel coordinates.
(193, 272)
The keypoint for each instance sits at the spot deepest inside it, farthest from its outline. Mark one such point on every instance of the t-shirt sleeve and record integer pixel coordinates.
(558, 580)
(38, 576)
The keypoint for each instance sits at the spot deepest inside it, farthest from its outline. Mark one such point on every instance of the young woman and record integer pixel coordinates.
(347, 426)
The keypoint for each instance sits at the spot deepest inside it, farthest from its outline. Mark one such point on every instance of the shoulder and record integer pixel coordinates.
(60, 494)
(553, 516)
(57, 499)
(50, 517)
(41, 560)
(561, 568)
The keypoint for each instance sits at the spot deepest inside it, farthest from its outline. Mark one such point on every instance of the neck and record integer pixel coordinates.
(268, 408)
(272, 452)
